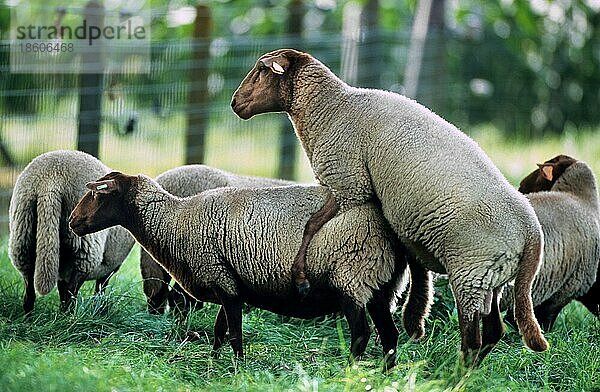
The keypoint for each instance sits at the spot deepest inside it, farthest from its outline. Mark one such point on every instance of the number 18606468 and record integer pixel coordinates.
(46, 47)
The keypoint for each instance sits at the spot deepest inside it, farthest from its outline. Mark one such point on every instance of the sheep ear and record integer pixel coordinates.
(547, 171)
(105, 186)
(277, 64)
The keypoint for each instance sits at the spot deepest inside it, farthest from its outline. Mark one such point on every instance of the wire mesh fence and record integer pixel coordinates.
(145, 118)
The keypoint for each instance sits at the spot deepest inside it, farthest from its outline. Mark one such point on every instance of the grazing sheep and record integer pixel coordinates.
(185, 181)
(232, 245)
(41, 246)
(439, 191)
(564, 194)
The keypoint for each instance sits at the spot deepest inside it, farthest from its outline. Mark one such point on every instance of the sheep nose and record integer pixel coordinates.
(233, 103)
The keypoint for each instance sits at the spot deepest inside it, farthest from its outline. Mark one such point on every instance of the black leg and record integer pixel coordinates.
(233, 313)
(591, 299)
(359, 327)
(379, 310)
(29, 297)
(419, 299)
(546, 313)
(220, 331)
(470, 335)
(156, 284)
(71, 289)
(493, 328)
(103, 281)
(182, 302)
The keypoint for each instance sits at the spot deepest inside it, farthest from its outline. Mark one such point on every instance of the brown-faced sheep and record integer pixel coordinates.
(231, 246)
(439, 191)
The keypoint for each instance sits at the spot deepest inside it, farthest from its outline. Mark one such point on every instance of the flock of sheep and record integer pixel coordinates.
(402, 193)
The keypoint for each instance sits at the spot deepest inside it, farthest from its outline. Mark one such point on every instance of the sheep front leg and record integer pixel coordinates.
(182, 302)
(68, 290)
(547, 312)
(359, 327)
(314, 224)
(233, 314)
(156, 283)
(591, 299)
(103, 281)
(379, 310)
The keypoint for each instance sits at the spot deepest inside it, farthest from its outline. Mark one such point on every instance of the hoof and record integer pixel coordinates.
(303, 288)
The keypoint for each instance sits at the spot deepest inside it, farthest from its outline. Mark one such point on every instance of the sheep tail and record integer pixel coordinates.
(528, 266)
(47, 252)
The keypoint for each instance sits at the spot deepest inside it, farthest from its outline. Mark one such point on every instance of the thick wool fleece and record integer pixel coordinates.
(190, 180)
(570, 218)
(40, 241)
(245, 240)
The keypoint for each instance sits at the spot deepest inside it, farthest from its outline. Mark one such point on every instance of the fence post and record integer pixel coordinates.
(90, 88)
(198, 102)
(288, 142)
(370, 53)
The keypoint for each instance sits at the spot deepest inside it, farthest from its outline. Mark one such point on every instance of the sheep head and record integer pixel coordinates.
(268, 87)
(103, 206)
(546, 175)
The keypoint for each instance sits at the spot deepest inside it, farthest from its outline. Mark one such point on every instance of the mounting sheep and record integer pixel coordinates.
(41, 246)
(564, 194)
(231, 246)
(439, 191)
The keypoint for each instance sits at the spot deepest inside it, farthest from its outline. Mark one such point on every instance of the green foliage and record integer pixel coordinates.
(111, 343)
(541, 59)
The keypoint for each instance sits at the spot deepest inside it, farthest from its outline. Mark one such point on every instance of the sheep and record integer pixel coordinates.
(231, 246)
(40, 244)
(185, 181)
(439, 191)
(564, 195)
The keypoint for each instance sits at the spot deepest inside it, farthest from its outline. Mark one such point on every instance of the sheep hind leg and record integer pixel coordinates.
(220, 331)
(313, 225)
(492, 327)
(470, 334)
(379, 310)
(416, 307)
(359, 327)
(29, 297)
(233, 313)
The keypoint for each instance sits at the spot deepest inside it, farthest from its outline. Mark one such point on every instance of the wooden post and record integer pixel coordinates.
(198, 100)
(90, 88)
(370, 53)
(288, 142)
(428, 41)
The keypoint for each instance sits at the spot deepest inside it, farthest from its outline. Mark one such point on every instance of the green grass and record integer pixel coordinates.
(111, 343)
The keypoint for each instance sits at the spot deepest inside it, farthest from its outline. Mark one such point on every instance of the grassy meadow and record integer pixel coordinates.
(110, 342)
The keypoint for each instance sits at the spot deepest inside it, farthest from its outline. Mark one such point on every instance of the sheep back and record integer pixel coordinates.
(43, 197)
(265, 228)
